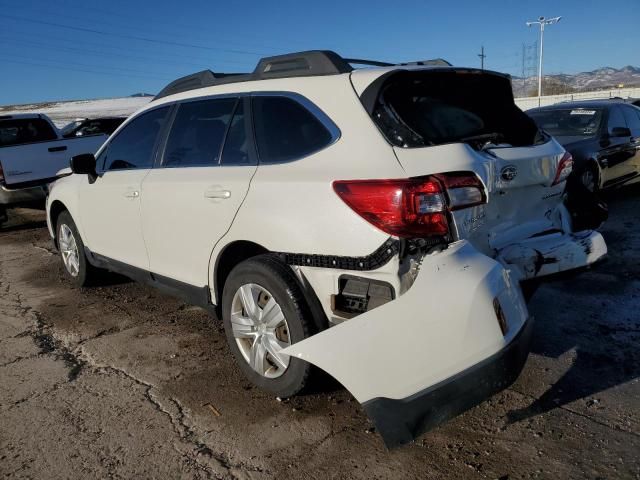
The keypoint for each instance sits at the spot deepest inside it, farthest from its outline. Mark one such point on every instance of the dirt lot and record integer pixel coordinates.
(120, 381)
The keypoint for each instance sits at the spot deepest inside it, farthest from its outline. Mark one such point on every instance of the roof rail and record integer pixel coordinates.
(436, 62)
(301, 64)
(373, 63)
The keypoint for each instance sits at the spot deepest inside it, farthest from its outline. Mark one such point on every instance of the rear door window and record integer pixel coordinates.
(286, 130)
(616, 119)
(198, 132)
(633, 119)
(21, 131)
(133, 146)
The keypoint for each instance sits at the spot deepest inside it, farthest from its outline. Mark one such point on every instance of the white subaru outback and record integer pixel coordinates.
(376, 223)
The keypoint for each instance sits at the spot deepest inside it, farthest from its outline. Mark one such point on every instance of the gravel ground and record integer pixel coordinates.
(120, 381)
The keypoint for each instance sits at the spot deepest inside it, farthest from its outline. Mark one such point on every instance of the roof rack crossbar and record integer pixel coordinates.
(373, 63)
(301, 64)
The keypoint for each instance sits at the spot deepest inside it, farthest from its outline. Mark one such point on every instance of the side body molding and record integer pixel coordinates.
(444, 325)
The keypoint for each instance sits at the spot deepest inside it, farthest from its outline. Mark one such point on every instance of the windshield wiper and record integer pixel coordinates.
(495, 137)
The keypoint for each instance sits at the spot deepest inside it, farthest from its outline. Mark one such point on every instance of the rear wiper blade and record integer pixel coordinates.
(482, 137)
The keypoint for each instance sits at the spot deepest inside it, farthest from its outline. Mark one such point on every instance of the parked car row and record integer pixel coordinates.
(603, 136)
(378, 223)
(33, 151)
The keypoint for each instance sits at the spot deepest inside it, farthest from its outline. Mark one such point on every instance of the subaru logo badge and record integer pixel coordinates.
(508, 173)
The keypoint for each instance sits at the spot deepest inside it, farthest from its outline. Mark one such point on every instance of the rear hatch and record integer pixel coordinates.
(449, 119)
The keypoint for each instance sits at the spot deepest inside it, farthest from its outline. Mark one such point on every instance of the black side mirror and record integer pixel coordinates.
(84, 164)
(620, 132)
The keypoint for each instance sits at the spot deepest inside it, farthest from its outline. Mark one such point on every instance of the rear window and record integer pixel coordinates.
(417, 109)
(286, 130)
(569, 122)
(20, 131)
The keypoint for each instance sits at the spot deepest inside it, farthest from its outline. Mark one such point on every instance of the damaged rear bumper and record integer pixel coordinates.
(403, 360)
(554, 253)
(400, 421)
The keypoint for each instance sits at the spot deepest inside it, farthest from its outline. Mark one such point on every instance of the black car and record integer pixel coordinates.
(602, 135)
(92, 126)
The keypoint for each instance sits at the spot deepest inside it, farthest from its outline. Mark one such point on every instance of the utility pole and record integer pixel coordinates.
(482, 57)
(524, 73)
(542, 22)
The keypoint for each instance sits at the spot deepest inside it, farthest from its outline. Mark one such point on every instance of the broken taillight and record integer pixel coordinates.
(464, 189)
(564, 168)
(414, 207)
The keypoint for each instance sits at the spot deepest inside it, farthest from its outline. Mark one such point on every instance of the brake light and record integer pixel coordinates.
(415, 207)
(564, 168)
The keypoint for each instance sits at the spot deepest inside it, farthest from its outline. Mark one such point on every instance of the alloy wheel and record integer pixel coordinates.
(69, 250)
(260, 330)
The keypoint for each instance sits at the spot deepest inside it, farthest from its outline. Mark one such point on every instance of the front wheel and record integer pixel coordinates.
(264, 311)
(71, 247)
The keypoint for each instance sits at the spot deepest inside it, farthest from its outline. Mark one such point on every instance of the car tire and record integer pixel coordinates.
(253, 292)
(3, 215)
(71, 247)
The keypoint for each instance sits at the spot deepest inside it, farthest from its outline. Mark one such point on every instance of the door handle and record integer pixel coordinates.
(132, 194)
(58, 149)
(223, 194)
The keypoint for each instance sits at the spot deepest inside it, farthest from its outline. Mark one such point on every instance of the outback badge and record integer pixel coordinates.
(508, 173)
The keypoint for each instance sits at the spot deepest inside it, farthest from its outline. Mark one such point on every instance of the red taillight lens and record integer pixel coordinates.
(564, 168)
(404, 208)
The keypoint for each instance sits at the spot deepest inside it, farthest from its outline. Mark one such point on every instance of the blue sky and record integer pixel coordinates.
(73, 50)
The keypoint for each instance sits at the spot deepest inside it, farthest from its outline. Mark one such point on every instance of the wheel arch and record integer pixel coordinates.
(593, 163)
(231, 255)
(240, 250)
(56, 208)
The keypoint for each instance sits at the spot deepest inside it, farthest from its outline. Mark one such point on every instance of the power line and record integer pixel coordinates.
(136, 21)
(118, 49)
(45, 46)
(67, 62)
(78, 69)
(131, 37)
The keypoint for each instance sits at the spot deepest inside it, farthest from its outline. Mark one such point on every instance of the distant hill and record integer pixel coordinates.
(600, 79)
(142, 95)
(67, 111)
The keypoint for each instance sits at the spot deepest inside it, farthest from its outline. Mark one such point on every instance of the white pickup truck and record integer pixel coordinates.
(32, 152)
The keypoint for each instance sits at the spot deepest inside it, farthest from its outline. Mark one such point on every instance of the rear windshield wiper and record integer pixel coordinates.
(483, 137)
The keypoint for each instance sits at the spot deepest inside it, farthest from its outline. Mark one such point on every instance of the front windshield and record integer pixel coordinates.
(569, 122)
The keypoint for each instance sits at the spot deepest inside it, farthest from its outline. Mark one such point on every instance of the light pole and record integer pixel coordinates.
(542, 22)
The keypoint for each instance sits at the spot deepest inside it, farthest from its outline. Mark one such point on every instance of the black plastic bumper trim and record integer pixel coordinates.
(377, 259)
(401, 421)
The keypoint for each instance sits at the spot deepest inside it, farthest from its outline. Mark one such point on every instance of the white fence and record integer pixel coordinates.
(525, 103)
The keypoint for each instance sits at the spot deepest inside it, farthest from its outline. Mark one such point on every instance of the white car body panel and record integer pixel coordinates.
(187, 220)
(109, 211)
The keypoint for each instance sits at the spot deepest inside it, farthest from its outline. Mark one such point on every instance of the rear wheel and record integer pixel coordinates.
(71, 247)
(264, 311)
